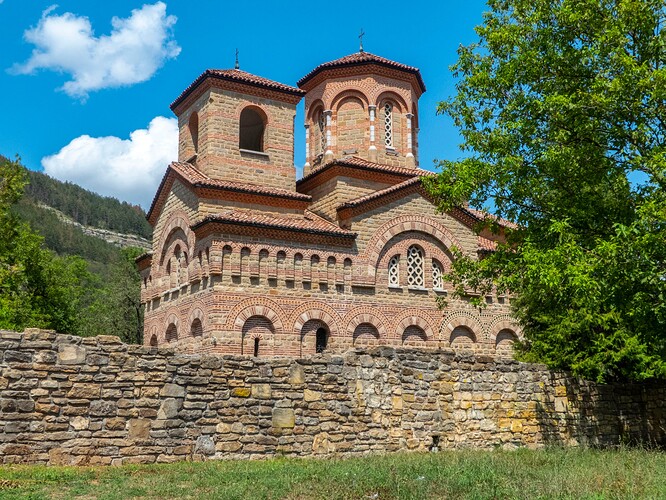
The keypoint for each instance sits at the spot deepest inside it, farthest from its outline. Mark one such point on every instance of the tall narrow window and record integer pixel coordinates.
(394, 271)
(388, 125)
(321, 136)
(321, 340)
(415, 267)
(256, 347)
(194, 131)
(251, 134)
(437, 276)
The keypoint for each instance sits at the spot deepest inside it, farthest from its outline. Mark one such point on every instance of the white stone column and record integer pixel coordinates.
(306, 168)
(372, 150)
(328, 155)
(410, 154)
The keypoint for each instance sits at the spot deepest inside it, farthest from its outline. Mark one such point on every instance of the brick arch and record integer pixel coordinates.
(403, 224)
(172, 317)
(197, 312)
(360, 315)
(315, 105)
(503, 322)
(255, 306)
(257, 335)
(467, 319)
(265, 114)
(389, 95)
(150, 333)
(315, 310)
(338, 98)
(414, 317)
(179, 219)
(430, 251)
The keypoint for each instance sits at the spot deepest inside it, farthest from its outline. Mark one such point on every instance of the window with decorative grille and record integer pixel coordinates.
(388, 125)
(394, 271)
(415, 267)
(321, 139)
(437, 276)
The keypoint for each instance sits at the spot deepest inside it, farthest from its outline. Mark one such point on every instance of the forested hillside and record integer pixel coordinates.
(86, 207)
(53, 274)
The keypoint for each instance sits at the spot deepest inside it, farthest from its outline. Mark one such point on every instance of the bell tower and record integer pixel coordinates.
(362, 105)
(235, 126)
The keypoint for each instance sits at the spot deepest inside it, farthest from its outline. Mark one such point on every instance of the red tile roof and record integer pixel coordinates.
(362, 58)
(308, 222)
(199, 179)
(238, 76)
(486, 245)
(191, 175)
(360, 163)
(483, 216)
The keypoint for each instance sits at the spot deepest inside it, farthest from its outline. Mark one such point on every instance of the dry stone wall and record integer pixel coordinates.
(70, 400)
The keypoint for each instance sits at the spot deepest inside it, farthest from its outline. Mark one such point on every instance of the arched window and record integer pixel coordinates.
(153, 341)
(415, 267)
(321, 340)
(256, 347)
(437, 276)
(394, 271)
(194, 131)
(171, 333)
(251, 134)
(197, 328)
(388, 124)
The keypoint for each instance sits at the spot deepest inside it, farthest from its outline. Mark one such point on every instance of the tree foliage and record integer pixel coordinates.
(562, 108)
(39, 288)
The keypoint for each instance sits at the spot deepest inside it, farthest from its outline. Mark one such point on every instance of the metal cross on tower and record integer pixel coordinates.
(360, 37)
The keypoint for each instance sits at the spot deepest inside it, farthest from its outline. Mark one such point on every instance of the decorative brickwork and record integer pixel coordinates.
(247, 261)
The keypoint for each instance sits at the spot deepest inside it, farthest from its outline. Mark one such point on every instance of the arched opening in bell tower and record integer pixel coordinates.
(251, 133)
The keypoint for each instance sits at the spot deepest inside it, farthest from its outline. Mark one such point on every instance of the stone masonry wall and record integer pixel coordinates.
(70, 400)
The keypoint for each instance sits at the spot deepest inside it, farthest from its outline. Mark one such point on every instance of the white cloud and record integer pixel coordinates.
(127, 169)
(136, 48)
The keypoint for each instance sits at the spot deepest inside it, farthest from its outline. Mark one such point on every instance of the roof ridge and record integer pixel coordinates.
(362, 58)
(355, 161)
(238, 76)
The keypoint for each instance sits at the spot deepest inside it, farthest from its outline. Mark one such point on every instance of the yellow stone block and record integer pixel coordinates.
(241, 392)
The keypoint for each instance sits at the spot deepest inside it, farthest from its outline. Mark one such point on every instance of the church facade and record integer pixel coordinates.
(249, 260)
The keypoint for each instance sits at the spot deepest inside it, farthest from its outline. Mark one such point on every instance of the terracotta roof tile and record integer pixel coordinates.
(307, 222)
(238, 76)
(199, 179)
(482, 216)
(361, 58)
(486, 245)
(356, 162)
(196, 178)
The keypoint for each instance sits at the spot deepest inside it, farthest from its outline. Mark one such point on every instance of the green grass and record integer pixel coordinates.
(555, 473)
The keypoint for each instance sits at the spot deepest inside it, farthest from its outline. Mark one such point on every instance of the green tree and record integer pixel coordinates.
(562, 108)
(37, 289)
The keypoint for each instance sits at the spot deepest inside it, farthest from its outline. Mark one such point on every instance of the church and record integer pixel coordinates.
(249, 260)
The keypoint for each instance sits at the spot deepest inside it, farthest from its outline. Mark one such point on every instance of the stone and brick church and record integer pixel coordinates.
(249, 260)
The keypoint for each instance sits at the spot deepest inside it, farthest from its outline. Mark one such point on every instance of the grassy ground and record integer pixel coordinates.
(555, 473)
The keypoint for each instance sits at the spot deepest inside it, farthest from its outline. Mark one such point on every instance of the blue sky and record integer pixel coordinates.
(87, 85)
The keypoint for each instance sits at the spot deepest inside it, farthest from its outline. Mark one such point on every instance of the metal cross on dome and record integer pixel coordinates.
(360, 37)
(237, 66)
